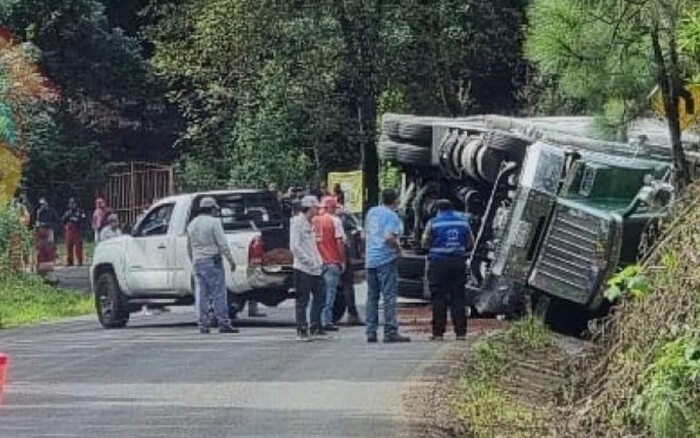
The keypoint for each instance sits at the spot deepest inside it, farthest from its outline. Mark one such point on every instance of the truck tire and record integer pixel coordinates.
(488, 164)
(411, 289)
(411, 268)
(413, 155)
(110, 303)
(390, 127)
(467, 161)
(415, 132)
(388, 150)
(506, 142)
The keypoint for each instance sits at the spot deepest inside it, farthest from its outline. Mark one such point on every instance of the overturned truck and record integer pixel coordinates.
(555, 211)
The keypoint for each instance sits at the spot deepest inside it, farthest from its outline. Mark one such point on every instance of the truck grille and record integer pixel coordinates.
(568, 263)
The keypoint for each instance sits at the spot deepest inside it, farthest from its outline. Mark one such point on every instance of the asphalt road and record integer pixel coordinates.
(160, 378)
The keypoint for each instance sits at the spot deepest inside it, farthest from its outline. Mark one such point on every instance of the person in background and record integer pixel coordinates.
(45, 224)
(112, 229)
(308, 268)
(73, 221)
(99, 217)
(383, 228)
(339, 194)
(330, 242)
(206, 248)
(447, 237)
(350, 227)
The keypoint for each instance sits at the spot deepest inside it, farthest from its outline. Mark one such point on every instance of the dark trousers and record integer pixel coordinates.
(308, 287)
(348, 284)
(447, 278)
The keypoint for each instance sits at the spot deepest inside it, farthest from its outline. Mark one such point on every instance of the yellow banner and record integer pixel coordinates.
(351, 184)
(10, 174)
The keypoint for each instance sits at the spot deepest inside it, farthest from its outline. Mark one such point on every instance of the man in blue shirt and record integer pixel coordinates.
(383, 228)
(447, 237)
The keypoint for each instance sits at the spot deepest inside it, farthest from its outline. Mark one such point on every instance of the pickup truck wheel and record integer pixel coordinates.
(110, 303)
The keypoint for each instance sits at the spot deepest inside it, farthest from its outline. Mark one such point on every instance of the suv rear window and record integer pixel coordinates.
(248, 211)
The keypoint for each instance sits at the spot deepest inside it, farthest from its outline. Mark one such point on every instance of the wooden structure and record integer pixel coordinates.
(133, 187)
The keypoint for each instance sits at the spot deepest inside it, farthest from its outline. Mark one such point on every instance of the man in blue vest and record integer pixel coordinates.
(447, 237)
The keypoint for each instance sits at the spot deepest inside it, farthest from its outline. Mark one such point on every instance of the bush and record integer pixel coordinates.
(14, 237)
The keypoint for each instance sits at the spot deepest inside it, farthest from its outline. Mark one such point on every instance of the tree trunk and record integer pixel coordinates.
(670, 85)
(359, 23)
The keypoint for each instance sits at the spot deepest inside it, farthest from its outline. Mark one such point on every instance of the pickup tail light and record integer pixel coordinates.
(256, 251)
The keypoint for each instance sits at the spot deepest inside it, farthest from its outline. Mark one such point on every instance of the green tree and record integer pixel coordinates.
(609, 54)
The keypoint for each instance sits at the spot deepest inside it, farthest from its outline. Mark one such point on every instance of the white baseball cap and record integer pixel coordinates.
(309, 201)
(208, 202)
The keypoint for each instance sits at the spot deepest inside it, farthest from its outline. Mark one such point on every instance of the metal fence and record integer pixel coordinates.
(133, 187)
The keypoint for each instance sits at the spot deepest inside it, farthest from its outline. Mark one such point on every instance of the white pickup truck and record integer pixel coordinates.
(150, 266)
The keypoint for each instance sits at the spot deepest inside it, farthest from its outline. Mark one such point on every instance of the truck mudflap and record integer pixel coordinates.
(577, 253)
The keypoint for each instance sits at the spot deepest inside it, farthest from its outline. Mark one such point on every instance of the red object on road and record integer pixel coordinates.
(3, 373)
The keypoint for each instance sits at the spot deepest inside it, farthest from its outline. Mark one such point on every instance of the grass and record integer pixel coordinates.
(26, 300)
(483, 400)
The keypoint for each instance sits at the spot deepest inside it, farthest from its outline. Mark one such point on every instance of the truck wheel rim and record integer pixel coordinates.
(106, 305)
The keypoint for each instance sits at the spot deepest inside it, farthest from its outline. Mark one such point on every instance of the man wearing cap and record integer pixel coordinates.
(112, 230)
(206, 247)
(308, 268)
(447, 237)
(330, 241)
(383, 231)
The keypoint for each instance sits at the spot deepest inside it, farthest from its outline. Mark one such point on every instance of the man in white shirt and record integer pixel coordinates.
(111, 230)
(308, 268)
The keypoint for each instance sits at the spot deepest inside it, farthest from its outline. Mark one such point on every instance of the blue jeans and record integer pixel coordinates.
(382, 281)
(331, 280)
(210, 283)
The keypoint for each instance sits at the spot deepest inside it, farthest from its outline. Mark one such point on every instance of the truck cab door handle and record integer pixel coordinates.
(161, 246)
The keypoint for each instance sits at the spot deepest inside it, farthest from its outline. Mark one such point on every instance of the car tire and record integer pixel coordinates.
(110, 303)
(413, 155)
(388, 150)
(505, 141)
(415, 132)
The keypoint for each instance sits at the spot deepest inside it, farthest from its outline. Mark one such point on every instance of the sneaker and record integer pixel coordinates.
(354, 321)
(303, 336)
(228, 329)
(330, 328)
(396, 338)
(204, 330)
(437, 338)
(372, 338)
(461, 338)
(320, 334)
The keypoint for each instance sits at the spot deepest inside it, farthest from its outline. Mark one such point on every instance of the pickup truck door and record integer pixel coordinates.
(147, 255)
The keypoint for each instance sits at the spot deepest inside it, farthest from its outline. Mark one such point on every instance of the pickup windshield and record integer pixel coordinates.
(248, 211)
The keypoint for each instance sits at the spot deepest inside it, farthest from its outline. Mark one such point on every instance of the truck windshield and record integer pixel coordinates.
(249, 211)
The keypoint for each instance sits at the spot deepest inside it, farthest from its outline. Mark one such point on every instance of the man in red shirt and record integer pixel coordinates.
(331, 247)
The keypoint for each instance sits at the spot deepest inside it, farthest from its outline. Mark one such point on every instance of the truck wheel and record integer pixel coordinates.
(418, 133)
(506, 142)
(390, 127)
(236, 302)
(388, 150)
(414, 155)
(411, 268)
(110, 303)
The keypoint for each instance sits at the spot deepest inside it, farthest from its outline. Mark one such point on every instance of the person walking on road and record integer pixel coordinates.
(383, 250)
(308, 268)
(447, 237)
(331, 248)
(73, 221)
(206, 247)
